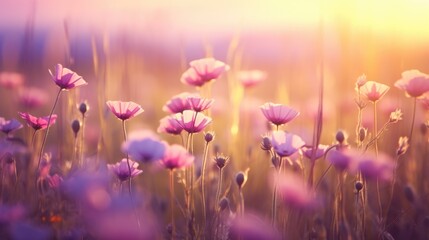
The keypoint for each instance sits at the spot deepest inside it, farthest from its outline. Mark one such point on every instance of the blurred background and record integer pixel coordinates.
(137, 51)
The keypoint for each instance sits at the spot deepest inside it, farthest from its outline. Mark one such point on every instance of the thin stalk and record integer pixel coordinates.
(47, 128)
(374, 132)
(82, 141)
(274, 200)
(413, 119)
(203, 181)
(173, 227)
(128, 158)
(219, 187)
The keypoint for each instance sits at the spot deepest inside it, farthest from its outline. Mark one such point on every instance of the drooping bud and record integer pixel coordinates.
(266, 143)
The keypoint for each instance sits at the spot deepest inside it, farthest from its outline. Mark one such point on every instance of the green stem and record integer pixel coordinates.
(47, 129)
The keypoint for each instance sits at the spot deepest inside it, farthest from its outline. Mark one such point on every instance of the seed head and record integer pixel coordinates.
(221, 161)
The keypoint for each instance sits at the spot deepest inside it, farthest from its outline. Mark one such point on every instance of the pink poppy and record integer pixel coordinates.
(251, 78)
(278, 114)
(11, 80)
(66, 79)
(121, 170)
(414, 83)
(199, 104)
(8, 126)
(124, 110)
(191, 121)
(203, 71)
(286, 144)
(38, 123)
(178, 103)
(32, 97)
(169, 125)
(374, 90)
(176, 156)
(144, 146)
(293, 191)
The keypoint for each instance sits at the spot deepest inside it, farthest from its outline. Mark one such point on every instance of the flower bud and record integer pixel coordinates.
(209, 136)
(221, 161)
(75, 126)
(362, 133)
(224, 203)
(240, 179)
(402, 146)
(340, 136)
(83, 108)
(409, 193)
(266, 143)
(423, 129)
(358, 186)
(276, 161)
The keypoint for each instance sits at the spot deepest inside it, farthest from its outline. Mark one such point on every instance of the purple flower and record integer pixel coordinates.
(286, 144)
(8, 126)
(178, 103)
(320, 151)
(169, 125)
(32, 97)
(144, 147)
(278, 114)
(342, 159)
(124, 110)
(192, 121)
(251, 227)
(66, 79)
(38, 123)
(293, 192)
(121, 170)
(376, 167)
(176, 156)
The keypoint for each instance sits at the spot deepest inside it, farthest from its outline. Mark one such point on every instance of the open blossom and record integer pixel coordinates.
(199, 104)
(11, 80)
(414, 83)
(66, 79)
(124, 110)
(342, 159)
(278, 114)
(191, 121)
(286, 144)
(373, 166)
(374, 90)
(178, 103)
(32, 97)
(121, 170)
(251, 78)
(38, 123)
(169, 125)
(8, 126)
(202, 71)
(144, 146)
(176, 156)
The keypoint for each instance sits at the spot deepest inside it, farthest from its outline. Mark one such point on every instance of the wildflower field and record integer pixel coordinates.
(214, 120)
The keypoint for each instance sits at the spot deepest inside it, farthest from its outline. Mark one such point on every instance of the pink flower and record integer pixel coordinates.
(286, 144)
(320, 151)
(66, 79)
(251, 78)
(124, 110)
(176, 157)
(414, 83)
(144, 146)
(342, 159)
(361, 80)
(169, 125)
(203, 71)
(293, 192)
(178, 103)
(278, 114)
(11, 80)
(374, 90)
(191, 121)
(32, 97)
(121, 170)
(38, 123)
(251, 227)
(199, 104)
(8, 126)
